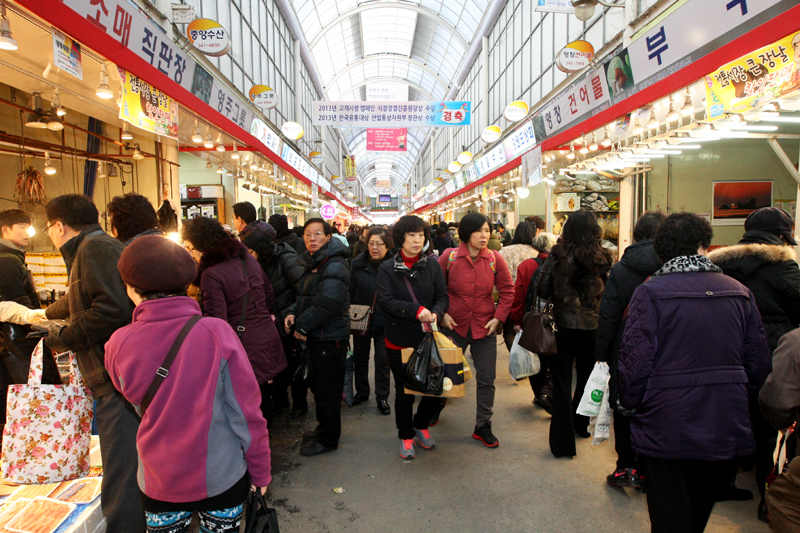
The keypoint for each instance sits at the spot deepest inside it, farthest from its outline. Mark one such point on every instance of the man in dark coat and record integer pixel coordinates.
(693, 346)
(637, 264)
(97, 305)
(16, 282)
(285, 235)
(765, 262)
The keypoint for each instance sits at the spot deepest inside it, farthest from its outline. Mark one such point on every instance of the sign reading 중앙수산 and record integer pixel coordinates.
(391, 114)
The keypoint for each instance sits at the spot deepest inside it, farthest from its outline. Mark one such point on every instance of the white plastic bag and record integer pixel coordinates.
(596, 389)
(599, 426)
(521, 362)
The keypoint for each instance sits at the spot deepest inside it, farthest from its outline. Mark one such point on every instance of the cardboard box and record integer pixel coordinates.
(453, 369)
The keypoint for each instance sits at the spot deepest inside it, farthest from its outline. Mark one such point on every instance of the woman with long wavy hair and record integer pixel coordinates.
(574, 276)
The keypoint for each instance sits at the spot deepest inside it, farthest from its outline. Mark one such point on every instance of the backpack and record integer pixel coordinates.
(532, 285)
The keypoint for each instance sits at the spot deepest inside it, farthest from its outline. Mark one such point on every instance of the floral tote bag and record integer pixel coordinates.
(48, 428)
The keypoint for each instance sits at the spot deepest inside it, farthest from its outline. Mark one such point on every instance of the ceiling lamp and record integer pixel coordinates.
(638, 129)
(594, 145)
(672, 115)
(688, 106)
(60, 111)
(35, 117)
(254, 165)
(137, 154)
(653, 122)
(220, 146)
(7, 42)
(229, 173)
(584, 9)
(220, 170)
(104, 91)
(571, 153)
(197, 138)
(126, 135)
(606, 142)
(55, 122)
(235, 153)
(49, 169)
(209, 166)
(209, 143)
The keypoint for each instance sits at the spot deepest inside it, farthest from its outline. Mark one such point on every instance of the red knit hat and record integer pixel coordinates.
(156, 264)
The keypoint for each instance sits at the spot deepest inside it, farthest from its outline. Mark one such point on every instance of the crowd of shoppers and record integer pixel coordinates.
(679, 328)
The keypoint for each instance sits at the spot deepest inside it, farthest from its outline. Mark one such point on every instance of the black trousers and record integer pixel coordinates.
(266, 389)
(117, 425)
(404, 415)
(680, 493)
(280, 390)
(574, 345)
(383, 372)
(328, 358)
(626, 457)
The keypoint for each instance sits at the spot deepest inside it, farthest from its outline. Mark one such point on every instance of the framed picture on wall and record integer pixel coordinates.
(733, 201)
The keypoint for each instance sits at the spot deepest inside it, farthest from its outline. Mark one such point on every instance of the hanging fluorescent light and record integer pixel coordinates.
(209, 143)
(49, 169)
(235, 153)
(7, 42)
(126, 135)
(794, 120)
(197, 138)
(104, 91)
(664, 152)
(749, 127)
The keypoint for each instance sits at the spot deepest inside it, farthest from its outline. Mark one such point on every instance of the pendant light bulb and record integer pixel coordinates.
(594, 145)
(60, 111)
(220, 146)
(571, 153)
(220, 170)
(209, 143)
(126, 135)
(49, 169)
(137, 153)
(583, 149)
(672, 115)
(235, 153)
(7, 42)
(104, 90)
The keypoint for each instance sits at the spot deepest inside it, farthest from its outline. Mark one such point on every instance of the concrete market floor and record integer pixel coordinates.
(462, 485)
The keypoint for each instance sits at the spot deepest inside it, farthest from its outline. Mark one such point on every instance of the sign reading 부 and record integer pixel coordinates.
(350, 169)
(209, 37)
(67, 54)
(387, 139)
(391, 114)
(263, 96)
(576, 56)
(754, 79)
(146, 107)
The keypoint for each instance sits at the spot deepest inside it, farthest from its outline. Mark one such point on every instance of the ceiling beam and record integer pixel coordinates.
(393, 57)
(425, 12)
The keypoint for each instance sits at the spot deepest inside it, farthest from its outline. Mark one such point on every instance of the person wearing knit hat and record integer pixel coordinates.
(190, 438)
(284, 235)
(260, 227)
(153, 264)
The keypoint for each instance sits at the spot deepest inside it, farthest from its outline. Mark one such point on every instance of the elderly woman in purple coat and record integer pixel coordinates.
(233, 287)
(693, 348)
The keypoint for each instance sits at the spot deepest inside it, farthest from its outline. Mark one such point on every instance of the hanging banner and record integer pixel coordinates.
(391, 114)
(263, 96)
(531, 171)
(67, 54)
(146, 107)
(754, 79)
(350, 168)
(209, 37)
(555, 6)
(387, 139)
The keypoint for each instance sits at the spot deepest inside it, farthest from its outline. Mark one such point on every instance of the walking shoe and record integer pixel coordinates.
(383, 407)
(359, 398)
(425, 439)
(624, 477)
(407, 450)
(733, 493)
(485, 435)
(545, 402)
(311, 436)
(315, 448)
(434, 420)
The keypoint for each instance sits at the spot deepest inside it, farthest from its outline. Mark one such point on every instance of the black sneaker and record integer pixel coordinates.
(315, 448)
(625, 477)
(485, 435)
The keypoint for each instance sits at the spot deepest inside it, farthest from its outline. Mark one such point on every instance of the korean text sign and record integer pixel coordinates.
(391, 114)
(387, 139)
(146, 107)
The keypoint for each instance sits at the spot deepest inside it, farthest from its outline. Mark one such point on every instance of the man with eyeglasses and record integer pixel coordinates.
(95, 306)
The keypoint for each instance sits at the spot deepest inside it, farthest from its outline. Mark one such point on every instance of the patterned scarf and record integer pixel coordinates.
(687, 263)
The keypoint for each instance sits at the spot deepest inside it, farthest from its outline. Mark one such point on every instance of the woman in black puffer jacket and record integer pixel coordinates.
(363, 291)
(283, 268)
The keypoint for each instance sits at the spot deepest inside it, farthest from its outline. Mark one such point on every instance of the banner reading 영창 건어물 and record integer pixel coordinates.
(754, 79)
(146, 107)
(391, 114)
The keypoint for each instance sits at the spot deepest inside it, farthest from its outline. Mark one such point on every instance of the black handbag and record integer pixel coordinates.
(259, 518)
(539, 328)
(303, 367)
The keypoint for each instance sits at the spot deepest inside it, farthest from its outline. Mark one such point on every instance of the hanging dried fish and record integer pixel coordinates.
(30, 187)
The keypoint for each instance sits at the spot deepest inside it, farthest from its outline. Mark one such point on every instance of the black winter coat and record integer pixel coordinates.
(292, 240)
(637, 264)
(323, 299)
(283, 269)
(364, 287)
(442, 243)
(770, 271)
(427, 280)
(16, 283)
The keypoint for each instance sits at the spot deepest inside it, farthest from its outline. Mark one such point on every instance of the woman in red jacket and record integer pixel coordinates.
(472, 319)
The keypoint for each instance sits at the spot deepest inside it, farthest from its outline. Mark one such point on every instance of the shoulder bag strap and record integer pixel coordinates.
(374, 299)
(163, 370)
(240, 329)
(410, 289)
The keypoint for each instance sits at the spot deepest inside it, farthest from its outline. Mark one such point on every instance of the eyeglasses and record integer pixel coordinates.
(374, 244)
(313, 235)
(47, 229)
(189, 248)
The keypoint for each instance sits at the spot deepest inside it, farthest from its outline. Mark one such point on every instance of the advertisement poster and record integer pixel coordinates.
(734, 201)
(146, 107)
(67, 54)
(754, 79)
(391, 114)
(387, 139)
(350, 169)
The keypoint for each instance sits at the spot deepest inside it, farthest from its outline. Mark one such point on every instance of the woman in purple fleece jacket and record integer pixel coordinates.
(202, 441)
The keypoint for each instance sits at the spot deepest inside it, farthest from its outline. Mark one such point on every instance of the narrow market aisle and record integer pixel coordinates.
(461, 485)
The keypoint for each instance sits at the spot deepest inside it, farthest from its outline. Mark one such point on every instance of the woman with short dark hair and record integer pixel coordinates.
(364, 291)
(693, 347)
(130, 216)
(574, 276)
(472, 319)
(411, 291)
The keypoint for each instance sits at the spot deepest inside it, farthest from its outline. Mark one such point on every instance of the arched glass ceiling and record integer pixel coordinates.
(420, 42)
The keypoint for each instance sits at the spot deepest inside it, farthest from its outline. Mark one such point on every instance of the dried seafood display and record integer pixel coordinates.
(30, 187)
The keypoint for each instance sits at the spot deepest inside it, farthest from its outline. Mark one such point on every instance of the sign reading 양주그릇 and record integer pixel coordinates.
(67, 54)
(669, 46)
(263, 96)
(391, 114)
(209, 37)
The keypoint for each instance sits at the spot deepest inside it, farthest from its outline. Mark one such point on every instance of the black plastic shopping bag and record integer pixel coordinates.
(424, 371)
(259, 517)
(302, 362)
